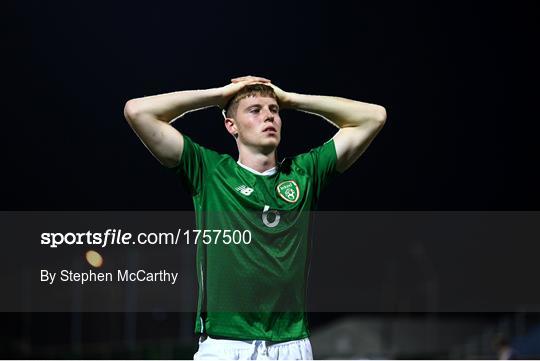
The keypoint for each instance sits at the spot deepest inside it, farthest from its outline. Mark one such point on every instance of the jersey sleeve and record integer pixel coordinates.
(320, 164)
(194, 165)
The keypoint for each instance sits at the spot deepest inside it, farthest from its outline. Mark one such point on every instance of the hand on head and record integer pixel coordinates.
(236, 84)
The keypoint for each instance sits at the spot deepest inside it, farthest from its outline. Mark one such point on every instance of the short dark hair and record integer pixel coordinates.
(249, 90)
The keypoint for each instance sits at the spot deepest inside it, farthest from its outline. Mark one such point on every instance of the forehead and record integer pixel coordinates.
(256, 99)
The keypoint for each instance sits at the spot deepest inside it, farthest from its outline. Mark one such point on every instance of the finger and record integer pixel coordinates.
(258, 82)
(262, 80)
(253, 81)
(245, 77)
(250, 77)
(242, 78)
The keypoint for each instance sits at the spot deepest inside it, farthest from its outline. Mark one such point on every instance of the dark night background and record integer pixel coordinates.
(459, 81)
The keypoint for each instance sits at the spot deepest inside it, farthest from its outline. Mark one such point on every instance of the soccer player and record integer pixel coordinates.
(252, 273)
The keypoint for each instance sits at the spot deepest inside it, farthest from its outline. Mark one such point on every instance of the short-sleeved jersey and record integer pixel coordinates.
(256, 289)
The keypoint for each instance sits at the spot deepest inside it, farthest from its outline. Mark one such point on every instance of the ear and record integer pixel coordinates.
(230, 124)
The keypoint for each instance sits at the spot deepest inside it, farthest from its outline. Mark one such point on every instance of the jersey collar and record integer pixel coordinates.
(267, 172)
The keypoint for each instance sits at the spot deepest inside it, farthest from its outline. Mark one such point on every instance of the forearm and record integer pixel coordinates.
(341, 112)
(167, 107)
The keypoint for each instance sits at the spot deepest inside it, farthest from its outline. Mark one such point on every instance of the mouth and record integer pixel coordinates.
(270, 129)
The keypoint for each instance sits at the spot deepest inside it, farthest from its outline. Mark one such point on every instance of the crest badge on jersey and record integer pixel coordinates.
(289, 191)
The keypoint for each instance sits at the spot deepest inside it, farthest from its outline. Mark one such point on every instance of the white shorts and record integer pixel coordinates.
(220, 349)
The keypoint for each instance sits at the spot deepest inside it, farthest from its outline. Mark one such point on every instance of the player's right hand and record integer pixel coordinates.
(236, 84)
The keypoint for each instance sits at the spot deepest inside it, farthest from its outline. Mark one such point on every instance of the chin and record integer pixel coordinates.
(270, 145)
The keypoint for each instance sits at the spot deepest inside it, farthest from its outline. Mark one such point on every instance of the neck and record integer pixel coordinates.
(256, 160)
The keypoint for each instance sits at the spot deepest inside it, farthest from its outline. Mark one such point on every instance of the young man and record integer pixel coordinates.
(252, 295)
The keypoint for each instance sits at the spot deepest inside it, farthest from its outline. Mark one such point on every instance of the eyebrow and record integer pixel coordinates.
(260, 106)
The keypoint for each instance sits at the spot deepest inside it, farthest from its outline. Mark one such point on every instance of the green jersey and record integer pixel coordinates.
(252, 264)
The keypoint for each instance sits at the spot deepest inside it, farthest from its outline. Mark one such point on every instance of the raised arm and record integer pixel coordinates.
(151, 117)
(358, 122)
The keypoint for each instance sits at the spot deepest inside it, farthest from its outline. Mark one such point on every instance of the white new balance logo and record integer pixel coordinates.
(244, 190)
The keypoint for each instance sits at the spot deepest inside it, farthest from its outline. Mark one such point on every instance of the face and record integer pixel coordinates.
(258, 123)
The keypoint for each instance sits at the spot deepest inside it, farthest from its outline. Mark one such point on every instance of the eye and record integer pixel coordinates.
(254, 111)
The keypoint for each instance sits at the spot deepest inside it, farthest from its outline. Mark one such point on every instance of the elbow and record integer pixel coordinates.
(379, 116)
(131, 110)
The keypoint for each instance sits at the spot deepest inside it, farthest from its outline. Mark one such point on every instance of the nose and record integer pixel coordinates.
(268, 115)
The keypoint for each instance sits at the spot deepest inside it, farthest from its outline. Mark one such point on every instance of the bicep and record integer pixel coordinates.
(351, 142)
(162, 139)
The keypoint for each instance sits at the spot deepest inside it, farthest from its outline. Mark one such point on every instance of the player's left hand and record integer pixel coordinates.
(284, 98)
